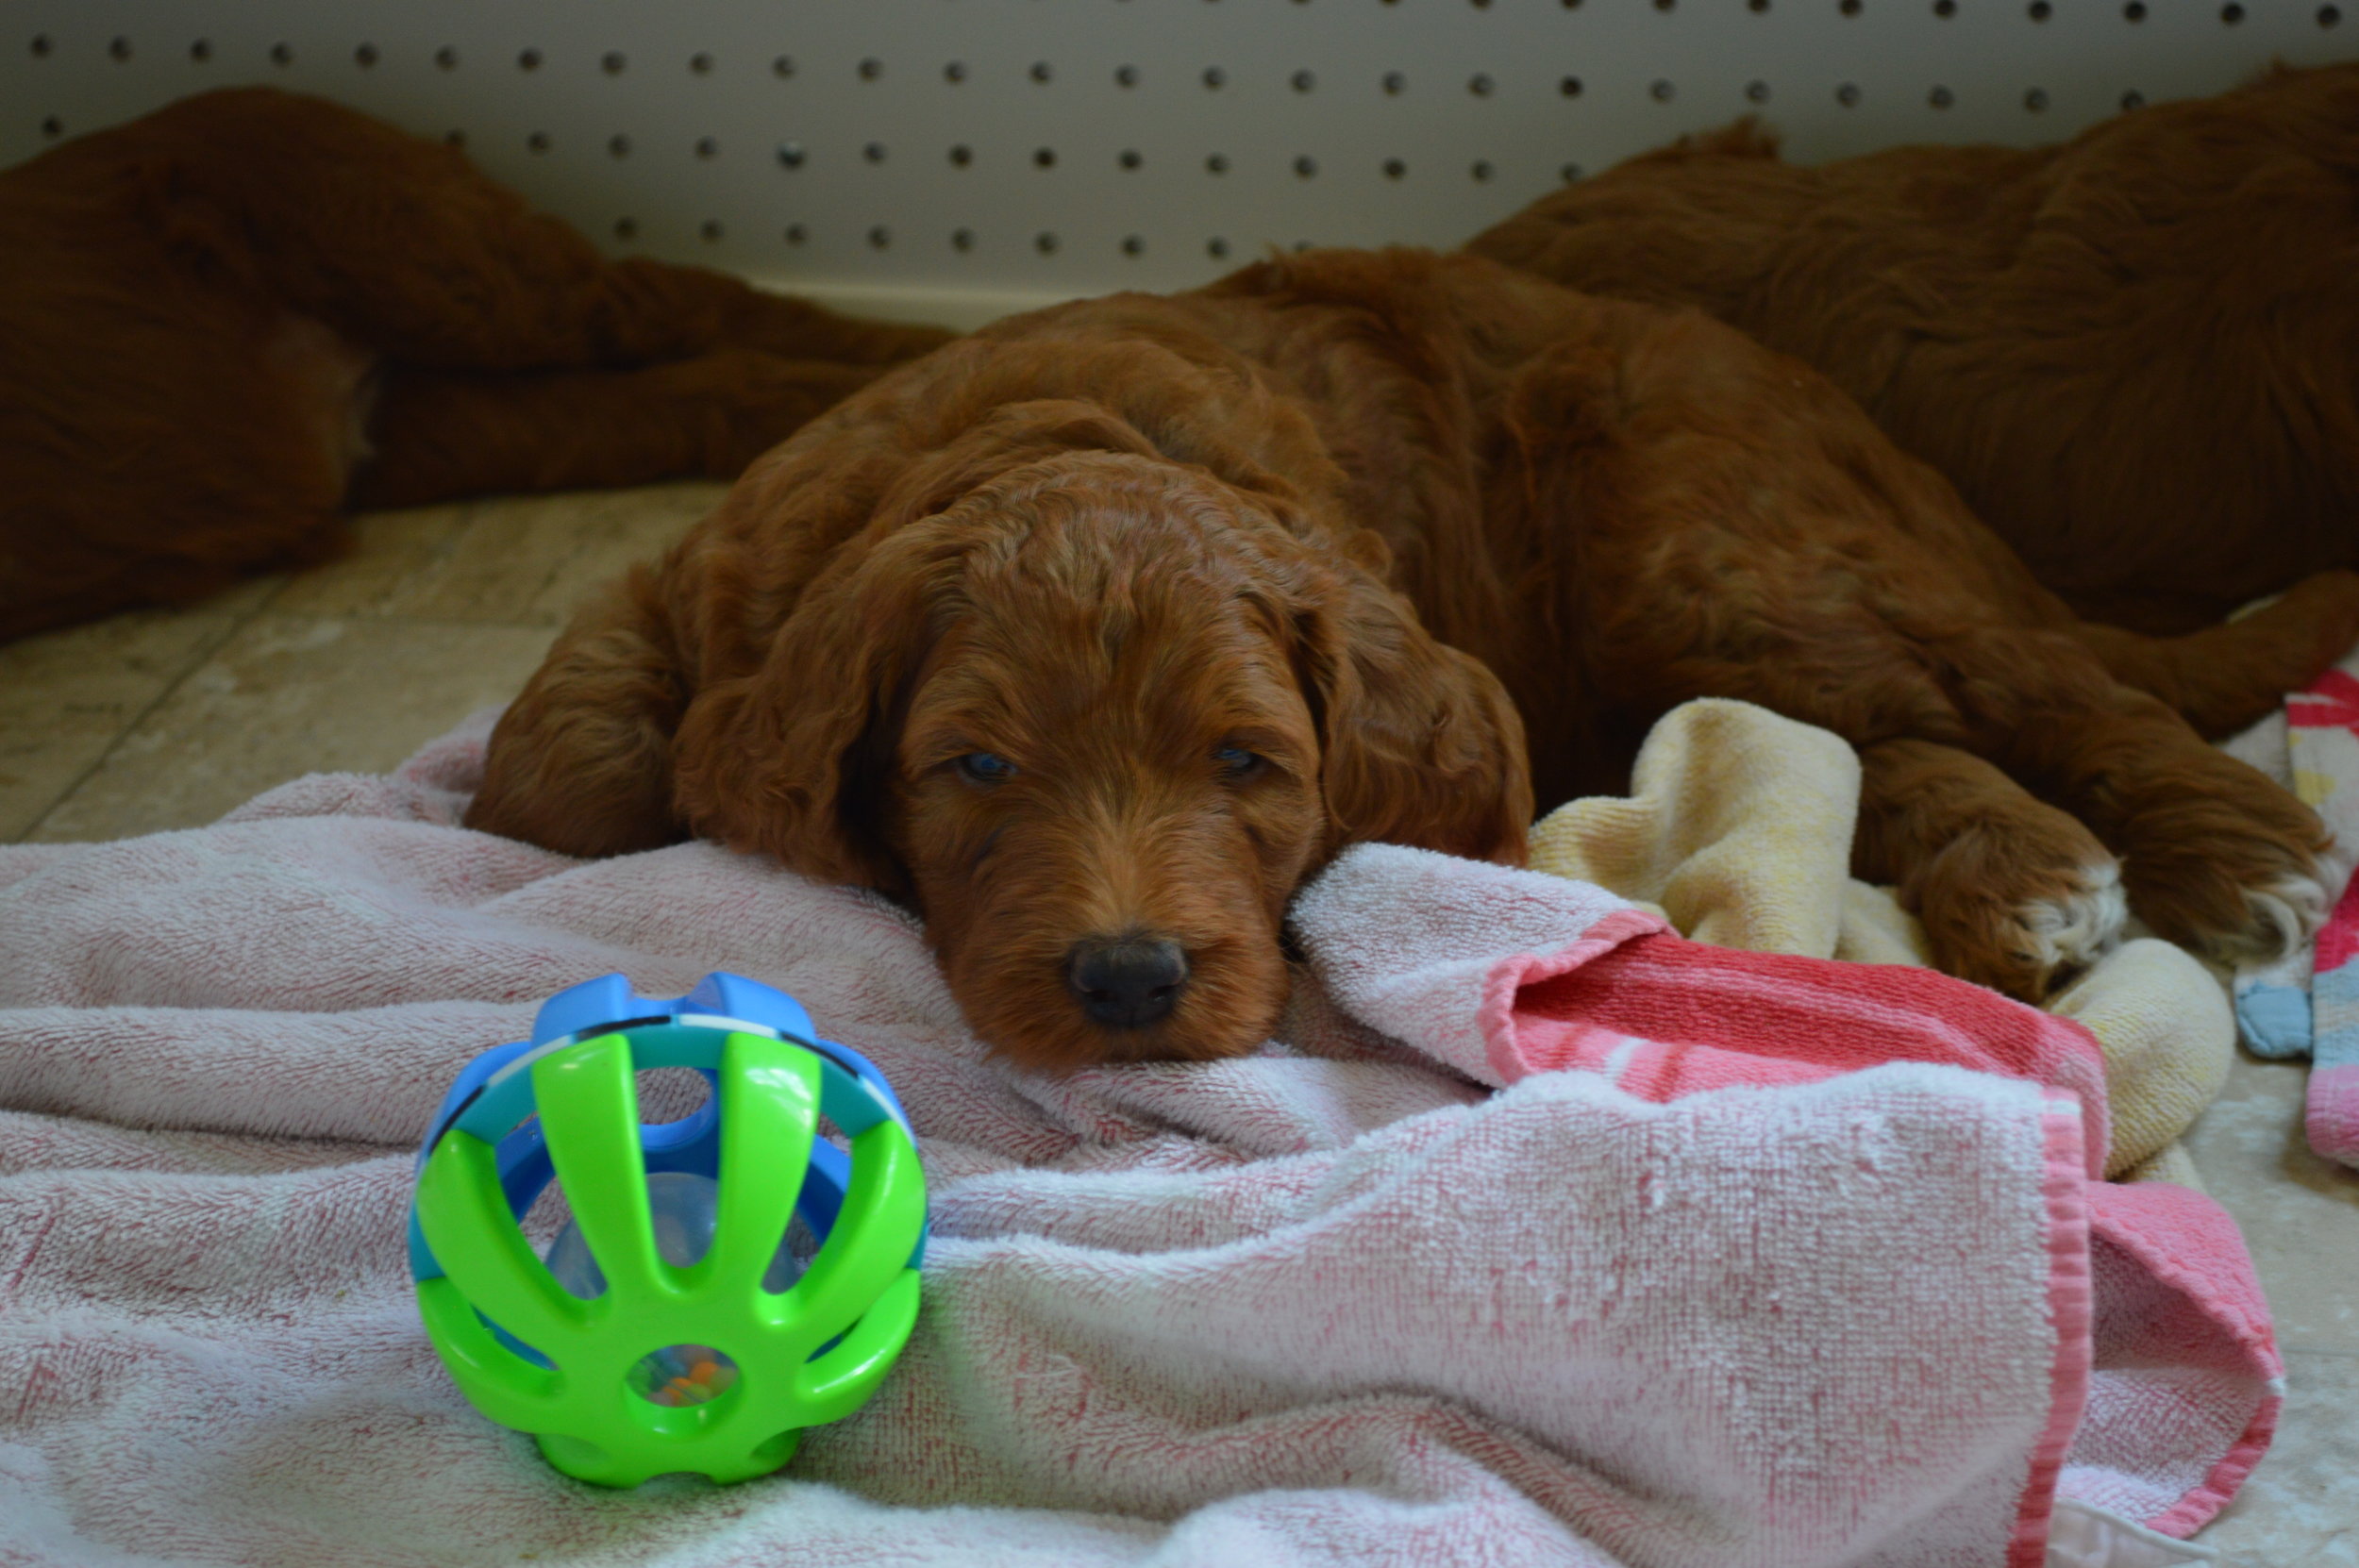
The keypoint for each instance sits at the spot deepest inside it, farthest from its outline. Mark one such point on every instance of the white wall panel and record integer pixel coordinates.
(1114, 143)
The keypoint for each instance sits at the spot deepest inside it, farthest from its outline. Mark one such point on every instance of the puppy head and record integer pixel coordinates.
(1096, 718)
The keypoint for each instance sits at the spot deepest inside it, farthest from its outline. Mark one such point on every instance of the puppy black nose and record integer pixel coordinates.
(1127, 982)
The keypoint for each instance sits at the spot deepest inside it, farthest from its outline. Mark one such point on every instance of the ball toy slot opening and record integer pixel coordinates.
(715, 1281)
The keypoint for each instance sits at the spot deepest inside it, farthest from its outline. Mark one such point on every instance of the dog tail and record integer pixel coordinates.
(2227, 677)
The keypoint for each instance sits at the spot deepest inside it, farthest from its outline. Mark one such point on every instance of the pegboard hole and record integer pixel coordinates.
(954, 73)
(880, 237)
(1569, 173)
(1042, 72)
(52, 126)
(1661, 91)
(2036, 100)
(1482, 169)
(613, 62)
(874, 152)
(1940, 97)
(618, 145)
(364, 56)
(711, 228)
(528, 59)
(1848, 94)
(1306, 166)
(961, 239)
(1945, 8)
(538, 141)
(119, 48)
(202, 50)
(796, 234)
(626, 228)
(1756, 6)
(447, 59)
(2039, 10)
(871, 69)
(701, 63)
(1045, 243)
(792, 154)
(1394, 83)
(2133, 99)
(1848, 8)
(1756, 93)
(2134, 11)
(282, 54)
(1216, 247)
(1133, 245)
(1217, 163)
(708, 147)
(41, 45)
(1216, 77)
(961, 155)
(1129, 158)
(2230, 15)
(1568, 87)
(2328, 16)
(1044, 157)
(1395, 168)
(782, 67)
(1481, 85)
(454, 139)
(1126, 76)
(1303, 81)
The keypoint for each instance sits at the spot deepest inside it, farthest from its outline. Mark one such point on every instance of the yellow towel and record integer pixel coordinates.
(1738, 829)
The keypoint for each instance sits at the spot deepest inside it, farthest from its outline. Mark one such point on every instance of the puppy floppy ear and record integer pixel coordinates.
(1422, 745)
(793, 761)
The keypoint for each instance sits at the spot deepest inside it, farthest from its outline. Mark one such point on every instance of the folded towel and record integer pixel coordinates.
(1738, 829)
(1338, 1302)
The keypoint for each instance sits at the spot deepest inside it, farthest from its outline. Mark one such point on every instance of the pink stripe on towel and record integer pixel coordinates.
(1676, 1017)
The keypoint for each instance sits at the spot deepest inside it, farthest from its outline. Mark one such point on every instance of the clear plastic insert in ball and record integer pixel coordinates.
(726, 1281)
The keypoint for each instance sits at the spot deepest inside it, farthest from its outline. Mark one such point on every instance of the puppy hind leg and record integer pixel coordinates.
(2225, 677)
(438, 435)
(2012, 892)
(581, 761)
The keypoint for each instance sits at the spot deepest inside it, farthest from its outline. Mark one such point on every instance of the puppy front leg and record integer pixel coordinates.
(581, 761)
(2012, 892)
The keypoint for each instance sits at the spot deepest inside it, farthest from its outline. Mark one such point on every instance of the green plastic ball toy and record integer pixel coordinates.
(728, 1280)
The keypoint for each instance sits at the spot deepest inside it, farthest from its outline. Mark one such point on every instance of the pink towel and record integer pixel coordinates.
(1741, 1289)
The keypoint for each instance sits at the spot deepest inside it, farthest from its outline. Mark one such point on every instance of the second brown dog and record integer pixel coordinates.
(2135, 354)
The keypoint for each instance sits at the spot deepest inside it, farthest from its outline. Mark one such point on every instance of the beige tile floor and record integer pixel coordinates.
(163, 720)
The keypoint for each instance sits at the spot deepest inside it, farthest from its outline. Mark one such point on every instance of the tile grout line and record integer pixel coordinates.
(196, 662)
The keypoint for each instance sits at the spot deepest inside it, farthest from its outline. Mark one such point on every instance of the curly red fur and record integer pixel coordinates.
(222, 323)
(1370, 520)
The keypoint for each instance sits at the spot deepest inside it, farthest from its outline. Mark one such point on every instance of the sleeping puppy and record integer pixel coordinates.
(2136, 355)
(1091, 636)
(222, 323)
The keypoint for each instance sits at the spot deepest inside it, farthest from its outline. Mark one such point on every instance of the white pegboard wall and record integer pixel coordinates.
(960, 156)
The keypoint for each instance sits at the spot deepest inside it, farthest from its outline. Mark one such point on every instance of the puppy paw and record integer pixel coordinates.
(2018, 921)
(2233, 869)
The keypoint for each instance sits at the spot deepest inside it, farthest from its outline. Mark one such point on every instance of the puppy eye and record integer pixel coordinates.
(1237, 763)
(985, 767)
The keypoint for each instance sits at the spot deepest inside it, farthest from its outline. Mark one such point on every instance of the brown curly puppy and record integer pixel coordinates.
(2136, 355)
(220, 323)
(1089, 635)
